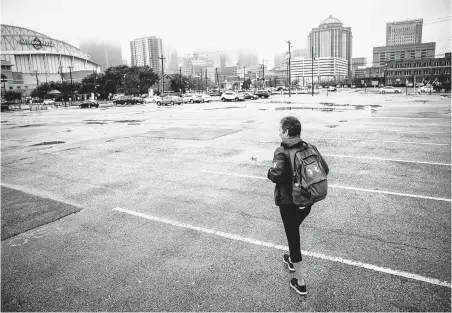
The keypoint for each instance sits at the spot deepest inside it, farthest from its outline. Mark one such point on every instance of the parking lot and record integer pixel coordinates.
(147, 208)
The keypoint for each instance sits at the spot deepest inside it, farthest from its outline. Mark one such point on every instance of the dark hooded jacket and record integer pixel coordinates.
(281, 172)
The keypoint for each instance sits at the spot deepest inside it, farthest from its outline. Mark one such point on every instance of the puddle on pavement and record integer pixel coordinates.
(129, 121)
(32, 125)
(343, 121)
(331, 126)
(375, 106)
(225, 108)
(355, 106)
(302, 108)
(46, 143)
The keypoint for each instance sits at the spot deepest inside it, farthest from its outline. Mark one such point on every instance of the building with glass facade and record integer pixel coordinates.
(29, 58)
(404, 33)
(331, 40)
(104, 53)
(322, 70)
(147, 51)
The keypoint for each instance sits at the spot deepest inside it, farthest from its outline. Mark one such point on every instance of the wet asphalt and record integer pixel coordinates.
(204, 165)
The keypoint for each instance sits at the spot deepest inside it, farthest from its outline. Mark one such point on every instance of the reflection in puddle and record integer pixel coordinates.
(48, 143)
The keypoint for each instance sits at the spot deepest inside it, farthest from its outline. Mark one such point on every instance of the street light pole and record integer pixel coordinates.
(312, 70)
(290, 56)
(163, 75)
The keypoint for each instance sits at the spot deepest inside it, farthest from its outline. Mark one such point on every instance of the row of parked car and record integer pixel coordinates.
(172, 99)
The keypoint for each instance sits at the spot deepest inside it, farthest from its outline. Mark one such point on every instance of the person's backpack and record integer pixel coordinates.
(309, 181)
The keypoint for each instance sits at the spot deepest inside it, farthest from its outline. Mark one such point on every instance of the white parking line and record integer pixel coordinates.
(404, 131)
(382, 159)
(341, 187)
(391, 141)
(372, 267)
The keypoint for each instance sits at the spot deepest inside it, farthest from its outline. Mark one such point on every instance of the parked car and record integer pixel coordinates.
(389, 89)
(262, 94)
(191, 98)
(215, 93)
(332, 88)
(48, 101)
(124, 100)
(89, 104)
(231, 95)
(138, 100)
(151, 99)
(165, 100)
(306, 90)
(205, 98)
(249, 95)
(425, 89)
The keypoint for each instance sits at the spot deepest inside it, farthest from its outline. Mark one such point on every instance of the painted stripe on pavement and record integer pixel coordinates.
(391, 141)
(383, 159)
(372, 267)
(342, 187)
(404, 131)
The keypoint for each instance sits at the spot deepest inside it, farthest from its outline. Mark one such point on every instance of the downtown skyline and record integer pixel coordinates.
(265, 33)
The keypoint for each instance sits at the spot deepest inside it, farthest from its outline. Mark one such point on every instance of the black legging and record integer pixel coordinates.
(292, 217)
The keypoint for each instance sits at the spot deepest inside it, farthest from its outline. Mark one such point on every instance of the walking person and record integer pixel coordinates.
(294, 208)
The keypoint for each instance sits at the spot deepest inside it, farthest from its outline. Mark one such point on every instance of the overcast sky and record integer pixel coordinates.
(263, 26)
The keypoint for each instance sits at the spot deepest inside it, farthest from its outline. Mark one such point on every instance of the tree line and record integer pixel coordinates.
(120, 79)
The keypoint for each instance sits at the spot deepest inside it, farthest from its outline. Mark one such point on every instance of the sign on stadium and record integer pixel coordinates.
(36, 43)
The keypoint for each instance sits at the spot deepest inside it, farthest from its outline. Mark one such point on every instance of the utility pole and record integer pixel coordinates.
(180, 75)
(263, 72)
(290, 56)
(206, 78)
(244, 74)
(37, 81)
(312, 70)
(72, 86)
(163, 75)
(94, 85)
(218, 80)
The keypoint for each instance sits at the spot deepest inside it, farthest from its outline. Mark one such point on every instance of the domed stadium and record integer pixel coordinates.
(29, 58)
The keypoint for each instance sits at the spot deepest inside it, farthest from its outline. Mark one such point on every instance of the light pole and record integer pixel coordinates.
(312, 70)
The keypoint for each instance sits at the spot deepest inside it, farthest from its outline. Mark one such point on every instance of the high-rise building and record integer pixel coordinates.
(218, 57)
(404, 32)
(247, 57)
(331, 40)
(279, 59)
(173, 61)
(147, 51)
(299, 53)
(105, 53)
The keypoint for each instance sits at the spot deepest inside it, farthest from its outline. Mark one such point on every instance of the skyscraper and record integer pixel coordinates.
(331, 39)
(105, 53)
(247, 57)
(147, 51)
(218, 57)
(404, 32)
(279, 58)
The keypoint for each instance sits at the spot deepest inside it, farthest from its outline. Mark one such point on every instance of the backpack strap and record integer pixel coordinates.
(292, 152)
